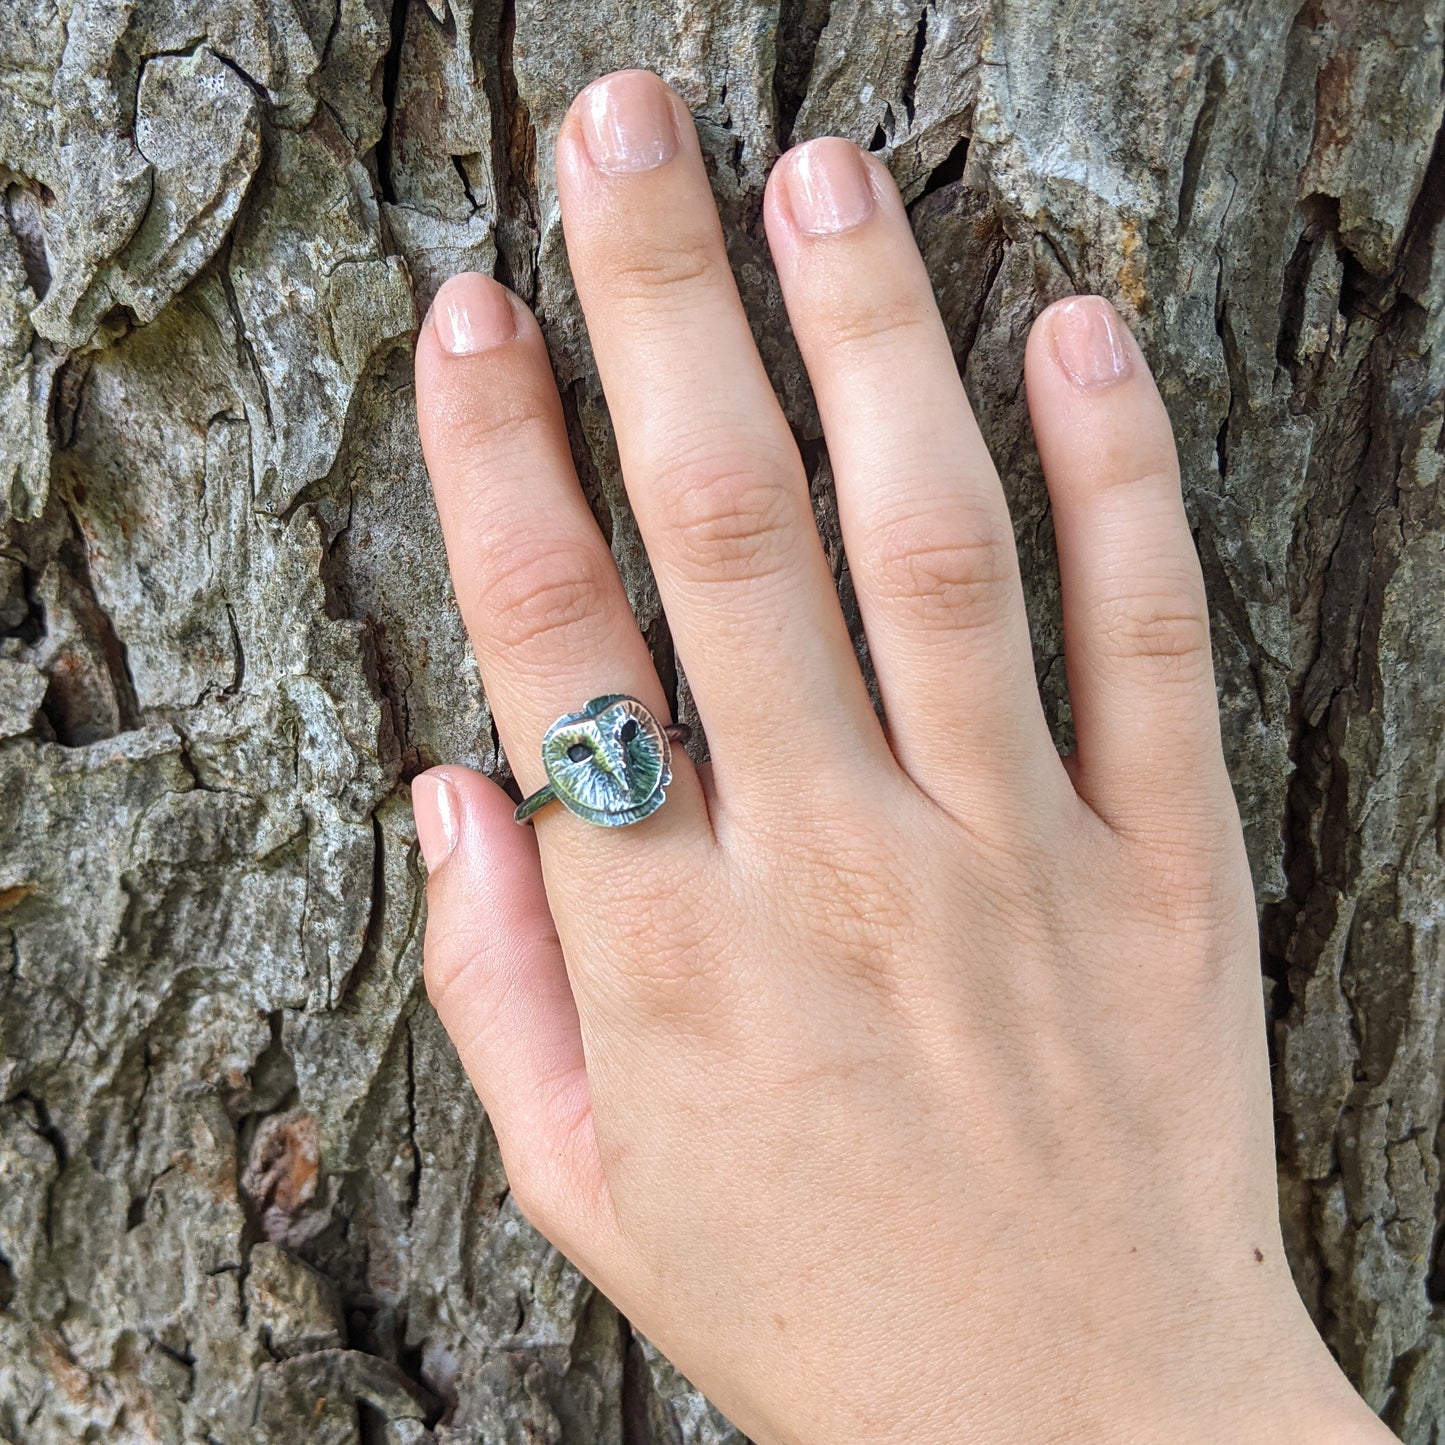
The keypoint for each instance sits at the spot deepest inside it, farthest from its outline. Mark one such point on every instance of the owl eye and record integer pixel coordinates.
(579, 752)
(627, 731)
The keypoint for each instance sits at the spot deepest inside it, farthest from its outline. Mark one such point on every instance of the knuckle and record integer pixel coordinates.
(729, 521)
(1167, 630)
(653, 270)
(861, 902)
(509, 421)
(533, 595)
(1156, 477)
(645, 952)
(1181, 869)
(1192, 892)
(441, 967)
(868, 905)
(452, 957)
(864, 917)
(944, 570)
(881, 320)
(675, 974)
(663, 935)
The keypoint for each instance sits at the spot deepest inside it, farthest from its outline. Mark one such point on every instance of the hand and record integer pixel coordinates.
(903, 1085)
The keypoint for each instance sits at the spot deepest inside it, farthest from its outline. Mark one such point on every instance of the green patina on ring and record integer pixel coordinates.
(608, 764)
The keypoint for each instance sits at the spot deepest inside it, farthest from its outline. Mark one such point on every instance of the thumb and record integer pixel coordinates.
(496, 977)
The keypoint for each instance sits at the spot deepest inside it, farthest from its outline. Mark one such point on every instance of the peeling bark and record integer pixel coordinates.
(247, 1194)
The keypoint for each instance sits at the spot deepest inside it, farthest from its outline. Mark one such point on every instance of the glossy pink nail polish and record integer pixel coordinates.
(437, 810)
(1089, 342)
(627, 122)
(828, 186)
(472, 313)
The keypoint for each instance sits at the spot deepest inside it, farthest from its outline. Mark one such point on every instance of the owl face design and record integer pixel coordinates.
(610, 762)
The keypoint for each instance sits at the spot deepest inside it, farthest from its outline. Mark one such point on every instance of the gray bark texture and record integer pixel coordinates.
(246, 1194)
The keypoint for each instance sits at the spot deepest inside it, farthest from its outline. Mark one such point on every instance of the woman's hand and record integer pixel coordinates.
(903, 1085)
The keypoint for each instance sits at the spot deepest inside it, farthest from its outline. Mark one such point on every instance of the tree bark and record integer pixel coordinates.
(246, 1194)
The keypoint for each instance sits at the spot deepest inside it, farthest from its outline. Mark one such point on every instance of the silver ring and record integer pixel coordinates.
(608, 764)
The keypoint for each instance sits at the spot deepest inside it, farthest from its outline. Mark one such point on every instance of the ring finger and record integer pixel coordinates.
(925, 524)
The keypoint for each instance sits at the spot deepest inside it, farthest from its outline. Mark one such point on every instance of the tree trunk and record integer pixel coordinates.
(246, 1194)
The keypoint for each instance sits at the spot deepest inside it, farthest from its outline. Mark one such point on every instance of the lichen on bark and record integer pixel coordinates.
(245, 1191)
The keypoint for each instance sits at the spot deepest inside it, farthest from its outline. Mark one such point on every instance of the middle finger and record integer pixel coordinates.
(715, 480)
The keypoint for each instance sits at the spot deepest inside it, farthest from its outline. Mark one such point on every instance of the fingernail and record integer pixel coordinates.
(627, 122)
(472, 313)
(438, 813)
(828, 186)
(1089, 342)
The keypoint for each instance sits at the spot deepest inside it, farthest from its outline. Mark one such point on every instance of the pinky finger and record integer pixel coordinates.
(496, 977)
(1136, 628)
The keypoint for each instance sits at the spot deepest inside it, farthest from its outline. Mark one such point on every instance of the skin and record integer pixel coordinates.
(899, 1084)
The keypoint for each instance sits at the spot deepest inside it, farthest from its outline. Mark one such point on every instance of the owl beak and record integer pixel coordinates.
(612, 760)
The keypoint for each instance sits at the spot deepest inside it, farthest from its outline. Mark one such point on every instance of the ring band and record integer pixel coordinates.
(608, 763)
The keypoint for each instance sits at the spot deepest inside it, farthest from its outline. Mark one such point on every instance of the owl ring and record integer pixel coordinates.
(607, 764)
